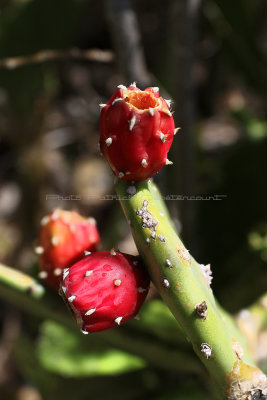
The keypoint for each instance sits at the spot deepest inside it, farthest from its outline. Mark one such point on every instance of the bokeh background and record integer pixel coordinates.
(58, 61)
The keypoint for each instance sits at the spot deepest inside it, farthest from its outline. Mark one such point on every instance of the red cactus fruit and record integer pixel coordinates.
(104, 289)
(136, 132)
(63, 239)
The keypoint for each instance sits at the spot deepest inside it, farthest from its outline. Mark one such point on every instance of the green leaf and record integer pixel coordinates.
(157, 318)
(68, 353)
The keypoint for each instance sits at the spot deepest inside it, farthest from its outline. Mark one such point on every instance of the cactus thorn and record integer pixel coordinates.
(155, 89)
(151, 111)
(90, 311)
(201, 310)
(88, 273)
(133, 84)
(87, 253)
(57, 271)
(162, 239)
(118, 320)
(65, 273)
(176, 130)
(166, 283)
(162, 137)
(54, 215)
(206, 350)
(39, 250)
(43, 275)
(153, 235)
(132, 122)
(144, 163)
(122, 87)
(54, 240)
(167, 112)
(206, 272)
(121, 174)
(102, 105)
(108, 141)
(71, 298)
(168, 162)
(148, 241)
(84, 332)
(168, 263)
(117, 282)
(112, 252)
(168, 102)
(44, 220)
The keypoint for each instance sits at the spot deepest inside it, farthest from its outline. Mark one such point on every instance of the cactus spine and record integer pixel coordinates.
(185, 289)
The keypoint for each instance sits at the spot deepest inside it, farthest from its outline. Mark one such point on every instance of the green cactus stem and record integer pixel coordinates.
(21, 282)
(184, 285)
(29, 295)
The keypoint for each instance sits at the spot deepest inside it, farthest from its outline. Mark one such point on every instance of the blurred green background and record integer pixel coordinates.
(210, 58)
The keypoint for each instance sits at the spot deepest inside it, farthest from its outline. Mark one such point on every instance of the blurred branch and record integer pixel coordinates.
(184, 17)
(252, 322)
(104, 56)
(27, 294)
(127, 41)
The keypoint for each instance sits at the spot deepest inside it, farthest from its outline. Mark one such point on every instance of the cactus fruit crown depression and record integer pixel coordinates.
(136, 132)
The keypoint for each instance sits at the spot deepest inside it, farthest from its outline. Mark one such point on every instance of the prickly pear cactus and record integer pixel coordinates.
(185, 287)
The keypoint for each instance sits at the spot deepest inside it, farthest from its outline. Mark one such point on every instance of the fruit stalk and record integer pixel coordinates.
(185, 287)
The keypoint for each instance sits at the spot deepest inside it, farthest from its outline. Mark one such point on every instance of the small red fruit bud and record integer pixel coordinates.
(104, 289)
(63, 239)
(136, 132)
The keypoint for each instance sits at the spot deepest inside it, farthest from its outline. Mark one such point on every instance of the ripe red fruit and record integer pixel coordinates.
(136, 132)
(104, 289)
(63, 238)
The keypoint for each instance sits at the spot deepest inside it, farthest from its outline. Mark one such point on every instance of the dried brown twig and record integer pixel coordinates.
(104, 56)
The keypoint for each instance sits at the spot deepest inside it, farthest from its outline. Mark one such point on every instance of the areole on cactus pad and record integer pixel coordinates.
(136, 132)
(104, 289)
(63, 238)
